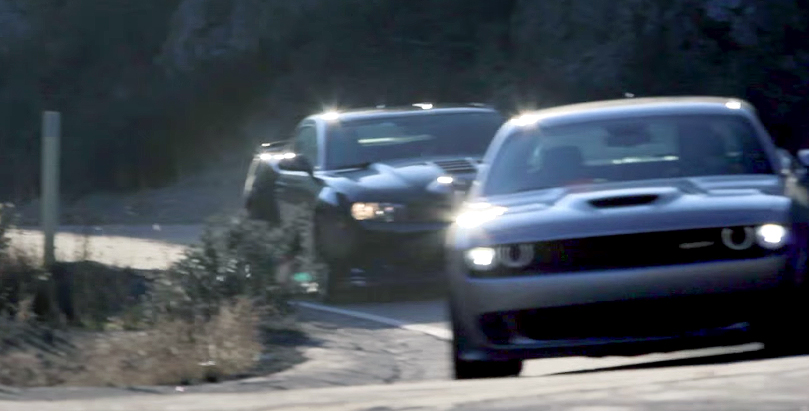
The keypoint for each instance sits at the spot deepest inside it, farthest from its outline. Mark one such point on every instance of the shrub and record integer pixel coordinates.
(237, 257)
(198, 320)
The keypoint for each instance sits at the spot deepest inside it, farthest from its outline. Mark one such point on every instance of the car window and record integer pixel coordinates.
(305, 143)
(625, 150)
(411, 136)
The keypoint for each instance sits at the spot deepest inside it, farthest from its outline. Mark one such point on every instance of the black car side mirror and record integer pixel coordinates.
(787, 162)
(803, 158)
(296, 163)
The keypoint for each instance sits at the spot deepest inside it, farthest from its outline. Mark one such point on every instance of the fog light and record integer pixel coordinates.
(771, 236)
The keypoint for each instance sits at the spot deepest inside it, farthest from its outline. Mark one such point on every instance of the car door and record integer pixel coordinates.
(295, 189)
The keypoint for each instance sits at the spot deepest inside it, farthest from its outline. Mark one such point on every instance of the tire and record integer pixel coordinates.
(331, 275)
(781, 334)
(260, 203)
(467, 370)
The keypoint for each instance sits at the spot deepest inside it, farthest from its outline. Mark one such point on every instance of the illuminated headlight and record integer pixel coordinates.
(481, 258)
(374, 211)
(771, 236)
(275, 156)
(476, 214)
(514, 256)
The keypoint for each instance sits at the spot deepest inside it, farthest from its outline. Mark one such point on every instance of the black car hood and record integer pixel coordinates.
(403, 179)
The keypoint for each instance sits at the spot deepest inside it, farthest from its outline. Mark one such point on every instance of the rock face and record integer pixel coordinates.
(209, 29)
(159, 66)
(205, 30)
(13, 24)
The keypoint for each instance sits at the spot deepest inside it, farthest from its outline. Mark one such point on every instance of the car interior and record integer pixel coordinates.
(697, 149)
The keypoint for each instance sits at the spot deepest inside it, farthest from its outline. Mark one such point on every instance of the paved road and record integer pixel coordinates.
(429, 315)
(776, 384)
(140, 247)
(751, 384)
(149, 247)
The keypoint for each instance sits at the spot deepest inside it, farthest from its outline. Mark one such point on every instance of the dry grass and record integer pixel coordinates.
(204, 319)
(176, 352)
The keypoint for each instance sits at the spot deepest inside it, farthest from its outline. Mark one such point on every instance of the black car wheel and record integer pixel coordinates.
(260, 203)
(332, 285)
(331, 276)
(466, 370)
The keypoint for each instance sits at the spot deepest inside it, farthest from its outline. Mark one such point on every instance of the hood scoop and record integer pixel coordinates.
(456, 166)
(624, 201)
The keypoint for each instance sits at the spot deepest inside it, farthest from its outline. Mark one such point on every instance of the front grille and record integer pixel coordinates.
(630, 251)
(660, 317)
(456, 166)
(405, 250)
(432, 212)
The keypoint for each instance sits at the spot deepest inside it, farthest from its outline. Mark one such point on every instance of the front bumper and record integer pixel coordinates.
(620, 312)
(378, 253)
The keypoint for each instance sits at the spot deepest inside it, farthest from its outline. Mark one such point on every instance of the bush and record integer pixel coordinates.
(199, 320)
(237, 258)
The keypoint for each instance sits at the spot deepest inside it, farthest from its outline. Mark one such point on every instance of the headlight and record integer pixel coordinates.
(481, 258)
(513, 256)
(771, 236)
(375, 211)
(477, 214)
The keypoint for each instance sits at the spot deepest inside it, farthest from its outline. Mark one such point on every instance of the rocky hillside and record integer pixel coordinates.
(153, 90)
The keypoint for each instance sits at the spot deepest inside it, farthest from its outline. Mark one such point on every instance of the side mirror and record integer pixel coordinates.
(787, 162)
(297, 163)
(803, 158)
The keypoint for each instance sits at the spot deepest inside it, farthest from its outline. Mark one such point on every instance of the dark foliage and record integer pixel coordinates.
(135, 117)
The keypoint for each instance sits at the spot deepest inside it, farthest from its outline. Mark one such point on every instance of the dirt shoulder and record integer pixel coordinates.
(332, 351)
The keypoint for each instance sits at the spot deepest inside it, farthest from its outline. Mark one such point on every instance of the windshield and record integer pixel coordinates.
(390, 138)
(625, 150)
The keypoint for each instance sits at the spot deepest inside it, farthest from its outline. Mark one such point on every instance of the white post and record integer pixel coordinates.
(51, 125)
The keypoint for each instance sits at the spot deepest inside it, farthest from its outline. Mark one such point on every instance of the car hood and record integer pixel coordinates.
(620, 208)
(403, 179)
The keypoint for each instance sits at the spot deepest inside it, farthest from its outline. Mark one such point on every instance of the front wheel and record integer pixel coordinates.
(331, 281)
(330, 275)
(466, 370)
(261, 203)
(781, 327)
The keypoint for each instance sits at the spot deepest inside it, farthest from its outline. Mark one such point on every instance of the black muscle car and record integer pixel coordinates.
(627, 227)
(373, 189)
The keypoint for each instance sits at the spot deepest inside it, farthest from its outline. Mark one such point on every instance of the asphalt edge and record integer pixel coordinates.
(435, 332)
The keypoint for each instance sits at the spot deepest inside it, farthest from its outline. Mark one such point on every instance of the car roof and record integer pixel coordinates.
(412, 110)
(640, 106)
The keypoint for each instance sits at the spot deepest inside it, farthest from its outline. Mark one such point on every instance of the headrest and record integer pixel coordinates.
(564, 155)
(699, 140)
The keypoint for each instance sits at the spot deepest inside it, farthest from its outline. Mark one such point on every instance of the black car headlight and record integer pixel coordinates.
(772, 236)
(376, 211)
(511, 256)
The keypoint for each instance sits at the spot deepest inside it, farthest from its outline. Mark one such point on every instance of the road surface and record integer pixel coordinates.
(749, 384)
(154, 247)
(776, 384)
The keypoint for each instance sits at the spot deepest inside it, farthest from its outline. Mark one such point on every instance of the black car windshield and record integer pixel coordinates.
(638, 148)
(409, 136)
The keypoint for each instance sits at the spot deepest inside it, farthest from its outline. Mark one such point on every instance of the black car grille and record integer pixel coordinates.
(630, 251)
(456, 166)
(416, 250)
(625, 319)
(433, 212)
